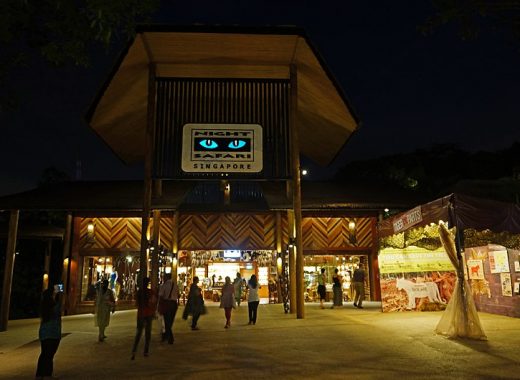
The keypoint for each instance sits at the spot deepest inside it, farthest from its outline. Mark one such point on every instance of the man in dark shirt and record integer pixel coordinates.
(358, 282)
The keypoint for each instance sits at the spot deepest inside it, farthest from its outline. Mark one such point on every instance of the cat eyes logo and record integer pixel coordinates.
(221, 148)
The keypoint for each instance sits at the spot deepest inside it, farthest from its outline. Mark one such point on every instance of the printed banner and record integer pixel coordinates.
(413, 259)
(405, 221)
(415, 279)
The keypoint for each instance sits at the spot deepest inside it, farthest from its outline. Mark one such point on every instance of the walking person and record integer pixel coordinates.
(105, 304)
(237, 284)
(49, 332)
(195, 304)
(227, 301)
(322, 291)
(252, 299)
(337, 289)
(168, 304)
(146, 302)
(358, 282)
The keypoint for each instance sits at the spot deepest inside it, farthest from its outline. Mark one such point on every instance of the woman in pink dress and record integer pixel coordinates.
(227, 301)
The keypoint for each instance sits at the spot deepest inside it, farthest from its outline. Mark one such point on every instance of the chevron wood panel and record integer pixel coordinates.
(111, 233)
(323, 233)
(285, 228)
(133, 233)
(165, 232)
(364, 235)
(118, 233)
(227, 231)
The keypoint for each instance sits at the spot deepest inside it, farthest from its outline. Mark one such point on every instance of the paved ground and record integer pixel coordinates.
(327, 344)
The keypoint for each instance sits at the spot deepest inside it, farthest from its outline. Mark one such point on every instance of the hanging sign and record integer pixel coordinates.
(407, 220)
(222, 148)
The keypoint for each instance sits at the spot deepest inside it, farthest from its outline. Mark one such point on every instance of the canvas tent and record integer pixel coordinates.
(473, 222)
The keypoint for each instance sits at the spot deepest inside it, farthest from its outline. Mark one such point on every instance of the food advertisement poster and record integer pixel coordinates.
(413, 259)
(475, 269)
(505, 280)
(415, 279)
(498, 261)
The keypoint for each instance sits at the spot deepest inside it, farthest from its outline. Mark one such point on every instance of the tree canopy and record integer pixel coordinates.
(473, 17)
(62, 32)
(435, 171)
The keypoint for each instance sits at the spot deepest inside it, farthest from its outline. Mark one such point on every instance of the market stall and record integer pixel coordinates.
(486, 234)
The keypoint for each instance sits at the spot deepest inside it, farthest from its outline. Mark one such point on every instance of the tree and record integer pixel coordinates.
(473, 16)
(436, 171)
(62, 31)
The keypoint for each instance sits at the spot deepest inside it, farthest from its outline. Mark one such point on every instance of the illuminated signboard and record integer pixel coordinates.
(222, 148)
(233, 254)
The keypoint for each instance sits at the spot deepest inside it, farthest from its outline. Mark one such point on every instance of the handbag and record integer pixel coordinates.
(166, 305)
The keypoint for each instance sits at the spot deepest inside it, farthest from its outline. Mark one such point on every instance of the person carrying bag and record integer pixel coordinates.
(168, 304)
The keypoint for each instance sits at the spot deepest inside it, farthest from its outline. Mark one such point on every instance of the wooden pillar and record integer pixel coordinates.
(154, 254)
(297, 196)
(292, 264)
(8, 269)
(279, 247)
(156, 236)
(66, 251)
(147, 192)
(373, 265)
(47, 265)
(175, 245)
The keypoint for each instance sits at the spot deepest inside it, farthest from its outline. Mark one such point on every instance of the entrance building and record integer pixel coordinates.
(220, 117)
(213, 246)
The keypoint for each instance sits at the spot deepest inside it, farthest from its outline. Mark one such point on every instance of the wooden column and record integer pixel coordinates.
(8, 269)
(292, 264)
(47, 265)
(156, 237)
(175, 244)
(279, 247)
(296, 190)
(373, 265)
(66, 252)
(147, 192)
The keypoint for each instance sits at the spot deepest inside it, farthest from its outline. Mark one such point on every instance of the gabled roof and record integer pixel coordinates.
(118, 115)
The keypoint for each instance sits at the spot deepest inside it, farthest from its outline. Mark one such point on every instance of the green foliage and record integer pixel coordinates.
(434, 172)
(62, 31)
(471, 17)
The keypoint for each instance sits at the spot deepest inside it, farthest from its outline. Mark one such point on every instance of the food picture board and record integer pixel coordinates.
(415, 279)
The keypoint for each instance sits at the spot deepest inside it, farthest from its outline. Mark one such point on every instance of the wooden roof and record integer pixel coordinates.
(325, 120)
(125, 198)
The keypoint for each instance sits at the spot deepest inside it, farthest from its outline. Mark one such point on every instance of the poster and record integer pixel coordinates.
(517, 266)
(475, 269)
(498, 261)
(415, 279)
(517, 288)
(505, 281)
(413, 259)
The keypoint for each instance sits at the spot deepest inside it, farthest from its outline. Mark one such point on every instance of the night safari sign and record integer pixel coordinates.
(222, 148)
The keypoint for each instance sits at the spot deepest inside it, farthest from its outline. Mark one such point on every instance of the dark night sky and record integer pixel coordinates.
(409, 91)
